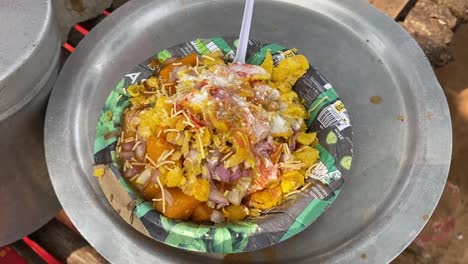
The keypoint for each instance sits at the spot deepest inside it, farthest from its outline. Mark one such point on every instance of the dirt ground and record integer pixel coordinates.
(443, 239)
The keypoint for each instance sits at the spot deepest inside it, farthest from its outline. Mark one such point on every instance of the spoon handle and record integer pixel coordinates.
(244, 33)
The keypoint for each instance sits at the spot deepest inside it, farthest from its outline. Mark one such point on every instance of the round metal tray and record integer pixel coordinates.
(402, 142)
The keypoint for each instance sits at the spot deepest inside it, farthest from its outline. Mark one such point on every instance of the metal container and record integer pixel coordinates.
(402, 142)
(29, 59)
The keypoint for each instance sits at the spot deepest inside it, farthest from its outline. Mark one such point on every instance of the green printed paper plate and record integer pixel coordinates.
(328, 117)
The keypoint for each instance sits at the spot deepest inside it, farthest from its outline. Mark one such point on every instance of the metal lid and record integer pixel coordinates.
(28, 47)
(29, 62)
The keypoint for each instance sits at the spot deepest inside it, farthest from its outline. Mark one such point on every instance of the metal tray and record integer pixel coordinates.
(29, 64)
(402, 142)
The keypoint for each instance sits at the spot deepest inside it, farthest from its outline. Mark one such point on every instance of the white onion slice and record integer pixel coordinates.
(217, 217)
(234, 197)
(144, 177)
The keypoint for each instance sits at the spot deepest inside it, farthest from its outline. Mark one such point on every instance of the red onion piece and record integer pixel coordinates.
(222, 173)
(141, 151)
(285, 157)
(155, 175)
(236, 174)
(127, 146)
(171, 60)
(173, 75)
(246, 173)
(169, 198)
(126, 155)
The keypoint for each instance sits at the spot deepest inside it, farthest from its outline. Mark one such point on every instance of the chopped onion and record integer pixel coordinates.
(236, 174)
(213, 161)
(267, 161)
(144, 177)
(264, 147)
(243, 183)
(269, 139)
(246, 173)
(216, 217)
(234, 197)
(192, 73)
(247, 165)
(127, 146)
(130, 172)
(173, 75)
(261, 129)
(193, 155)
(141, 151)
(197, 99)
(171, 60)
(154, 176)
(285, 157)
(292, 140)
(215, 155)
(278, 125)
(247, 70)
(222, 173)
(134, 171)
(127, 155)
(273, 172)
(200, 85)
(216, 197)
(169, 198)
(296, 125)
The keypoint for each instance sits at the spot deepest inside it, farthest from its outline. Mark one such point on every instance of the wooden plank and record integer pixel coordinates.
(392, 8)
(66, 245)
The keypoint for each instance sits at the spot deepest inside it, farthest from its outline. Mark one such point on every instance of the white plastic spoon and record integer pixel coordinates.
(245, 32)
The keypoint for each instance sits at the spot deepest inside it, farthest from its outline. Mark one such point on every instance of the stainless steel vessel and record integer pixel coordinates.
(29, 59)
(402, 143)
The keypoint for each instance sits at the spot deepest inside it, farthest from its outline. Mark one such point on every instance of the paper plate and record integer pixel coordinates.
(328, 117)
